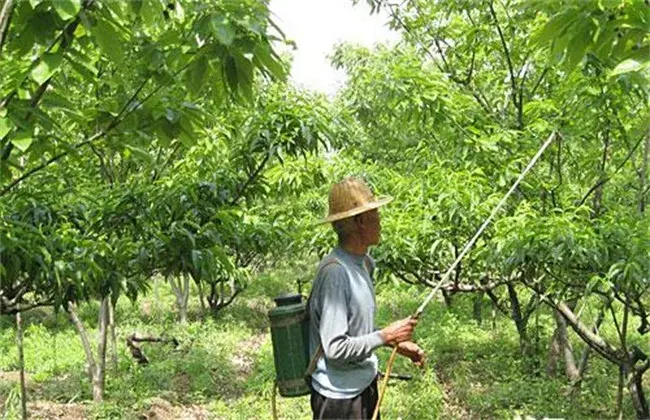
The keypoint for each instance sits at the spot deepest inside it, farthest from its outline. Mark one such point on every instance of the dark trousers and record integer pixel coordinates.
(360, 407)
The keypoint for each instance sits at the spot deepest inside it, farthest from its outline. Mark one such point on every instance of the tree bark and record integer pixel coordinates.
(584, 358)
(570, 367)
(95, 366)
(625, 360)
(598, 195)
(186, 298)
(625, 367)
(5, 19)
(21, 364)
(99, 377)
(199, 285)
(111, 323)
(619, 392)
(156, 296)
(447, 297)
(643, 176)
(181, 290)
(554, 353)
(477, 308)
(217, 298)
(635, 386)
(520, 321)
(85, 343)
(591, 338)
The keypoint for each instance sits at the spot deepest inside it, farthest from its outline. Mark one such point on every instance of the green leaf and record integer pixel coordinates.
(604, 42)
(244, 73)
(554, 28)
(109, 40)
(626, 66)
(274, 67)
(579, 44)
(46, 68)
(151, 10)
(230, 69)
(67, 9)
(224, 32)
(22, 141)
(84, 68)
(196, 75)
(5, 126)
(140, 153)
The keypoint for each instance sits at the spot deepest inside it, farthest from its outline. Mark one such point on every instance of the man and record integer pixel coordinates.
(342, 311)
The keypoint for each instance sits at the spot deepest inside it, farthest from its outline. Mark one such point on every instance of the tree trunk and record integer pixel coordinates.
(643, 176)
(570, 367)
(199, 286)
(635, 386)
(554, 353)
(584, 358)
(186, 298)
(626, 367)
(181, 288)
(619, 392)
(21, 364)
(156, 297)
(85, 343)
(95, 366)
(111, 323)
(447, 297)
(521, 323)
(5, 19)
(610, 353)
(222, 293)
(100, 367)
(477, 308)
(598, 195)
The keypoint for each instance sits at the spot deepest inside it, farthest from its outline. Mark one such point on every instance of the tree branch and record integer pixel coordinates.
(251, 178)
(102, 164)
(11, 309)
(122, 115)
(66, 36)
(158, 172)
(116, 121)
(539, 81)
(477, 94)
(5, 20)
(607, 178)
(513, 80)
(592, 339)
(83, 335)
(499, 305)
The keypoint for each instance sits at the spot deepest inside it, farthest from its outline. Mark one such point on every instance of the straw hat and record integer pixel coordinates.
(351, 197)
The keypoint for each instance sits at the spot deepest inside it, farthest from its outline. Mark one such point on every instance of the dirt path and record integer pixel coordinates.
(156, 408)
(454, 407)
(244, 361)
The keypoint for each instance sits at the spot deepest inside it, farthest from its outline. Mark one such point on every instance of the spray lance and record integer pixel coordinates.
(460, 257)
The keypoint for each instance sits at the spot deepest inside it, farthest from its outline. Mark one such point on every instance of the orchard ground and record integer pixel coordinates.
(223, 366)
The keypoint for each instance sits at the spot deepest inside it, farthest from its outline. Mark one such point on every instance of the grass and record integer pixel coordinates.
(223, 367)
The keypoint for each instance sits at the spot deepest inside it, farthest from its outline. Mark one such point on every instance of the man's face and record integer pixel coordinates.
(370, 227)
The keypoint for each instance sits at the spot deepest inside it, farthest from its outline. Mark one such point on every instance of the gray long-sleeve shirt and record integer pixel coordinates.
(342, 318)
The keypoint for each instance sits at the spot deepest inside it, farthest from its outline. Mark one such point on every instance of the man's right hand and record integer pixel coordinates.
(399, 331)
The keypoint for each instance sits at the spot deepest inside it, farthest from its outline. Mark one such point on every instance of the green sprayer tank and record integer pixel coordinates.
(290, 336)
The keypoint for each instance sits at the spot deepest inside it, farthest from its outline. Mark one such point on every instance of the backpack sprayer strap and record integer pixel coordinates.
(311, 368)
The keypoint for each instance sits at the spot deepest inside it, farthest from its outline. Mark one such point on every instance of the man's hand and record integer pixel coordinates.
(413, 352)
(399, 331)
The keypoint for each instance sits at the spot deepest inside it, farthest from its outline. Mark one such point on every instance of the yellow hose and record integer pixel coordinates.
(384, 383)
(274, 409)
